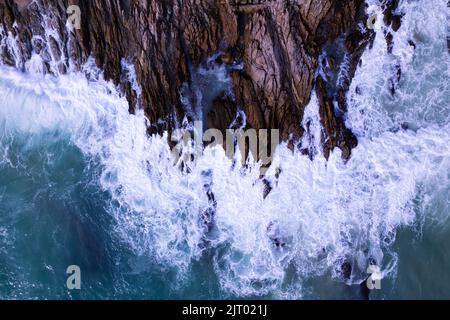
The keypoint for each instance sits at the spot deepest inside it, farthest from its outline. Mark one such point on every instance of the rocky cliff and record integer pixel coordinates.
(272, 51)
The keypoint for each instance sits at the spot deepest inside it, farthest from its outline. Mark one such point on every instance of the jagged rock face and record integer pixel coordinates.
(278, 43)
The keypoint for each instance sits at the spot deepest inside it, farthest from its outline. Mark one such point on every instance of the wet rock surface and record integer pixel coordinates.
(277, 43)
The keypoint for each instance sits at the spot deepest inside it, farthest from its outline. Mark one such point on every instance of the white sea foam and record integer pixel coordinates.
(423, 95)
(323, 211)
(312, 140)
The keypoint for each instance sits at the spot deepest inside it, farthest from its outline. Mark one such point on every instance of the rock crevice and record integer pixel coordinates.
(278, 43)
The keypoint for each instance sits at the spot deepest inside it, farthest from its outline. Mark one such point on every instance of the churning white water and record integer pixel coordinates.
(324, 212)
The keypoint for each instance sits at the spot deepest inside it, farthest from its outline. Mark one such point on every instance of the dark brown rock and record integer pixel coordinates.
(278, 42)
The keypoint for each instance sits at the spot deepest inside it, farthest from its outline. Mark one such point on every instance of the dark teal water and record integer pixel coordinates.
(53, 214)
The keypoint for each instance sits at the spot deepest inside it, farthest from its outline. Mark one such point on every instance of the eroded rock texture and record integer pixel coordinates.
(278, 43)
